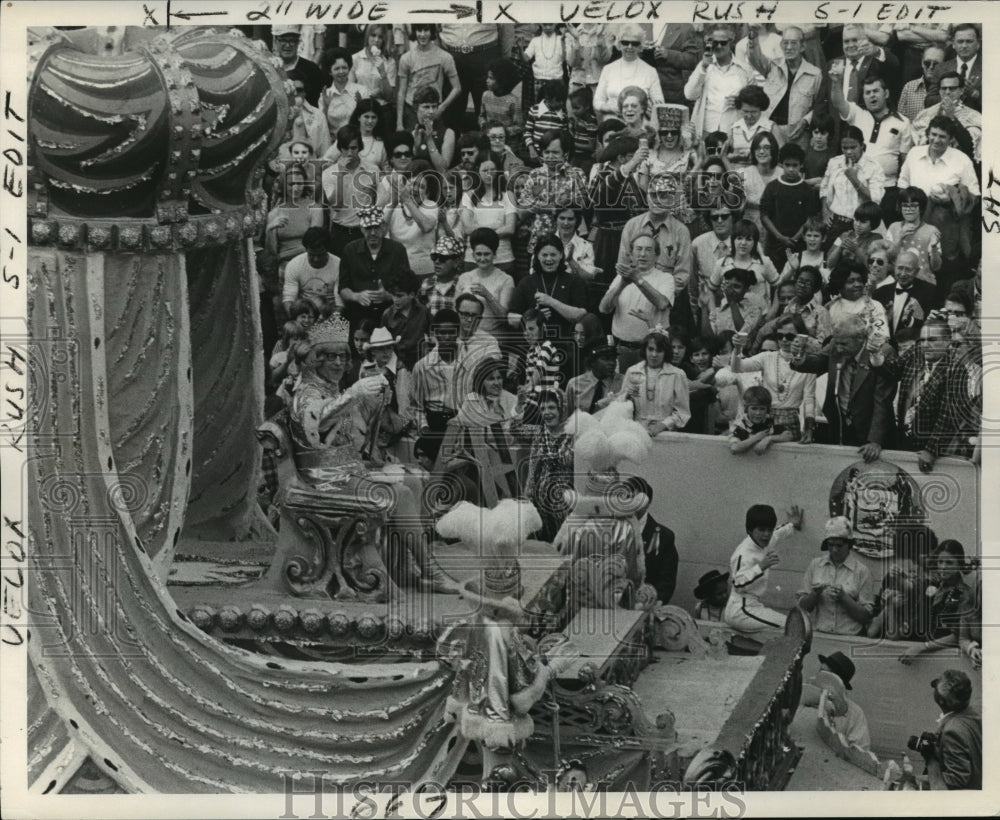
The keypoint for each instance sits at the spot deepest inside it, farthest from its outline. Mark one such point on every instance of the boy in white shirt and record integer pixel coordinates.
(750, 567)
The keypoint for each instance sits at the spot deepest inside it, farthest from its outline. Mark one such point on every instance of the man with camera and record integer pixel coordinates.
(954, 756)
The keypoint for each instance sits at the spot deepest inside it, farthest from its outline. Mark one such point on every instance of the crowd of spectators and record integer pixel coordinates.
(768, 233)
(728, 207)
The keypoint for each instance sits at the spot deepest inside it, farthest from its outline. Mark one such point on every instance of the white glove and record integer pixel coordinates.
(369, 386)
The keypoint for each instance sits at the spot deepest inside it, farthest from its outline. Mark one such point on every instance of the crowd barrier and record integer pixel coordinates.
(702, 491)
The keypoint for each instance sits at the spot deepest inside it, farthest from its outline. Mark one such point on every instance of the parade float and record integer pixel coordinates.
(178, 643)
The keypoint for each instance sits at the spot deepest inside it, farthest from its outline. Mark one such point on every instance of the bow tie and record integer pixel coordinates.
(902, 290)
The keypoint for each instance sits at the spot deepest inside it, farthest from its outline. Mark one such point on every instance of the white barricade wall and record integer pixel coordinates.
(702, 491)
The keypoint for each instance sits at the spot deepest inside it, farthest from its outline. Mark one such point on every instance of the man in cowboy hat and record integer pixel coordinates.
(836, 586)
(366, 264)
(286, 46)
(396, 419)
(712, 593)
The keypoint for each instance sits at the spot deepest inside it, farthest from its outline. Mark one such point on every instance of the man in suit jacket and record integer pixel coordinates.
(658, 545)
(938, 415)
(859, 393)
(862, 56)
(906, 299)
(968, 63)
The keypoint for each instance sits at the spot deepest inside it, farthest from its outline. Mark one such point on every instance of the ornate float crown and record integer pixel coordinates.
(335, 329)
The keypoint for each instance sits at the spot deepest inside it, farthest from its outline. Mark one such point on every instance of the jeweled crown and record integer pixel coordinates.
(334, 329)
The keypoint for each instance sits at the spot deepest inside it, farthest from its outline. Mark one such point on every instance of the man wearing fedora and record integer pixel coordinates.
(837, 587)
(712, 593)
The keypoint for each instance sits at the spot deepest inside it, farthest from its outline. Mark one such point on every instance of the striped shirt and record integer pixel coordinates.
(433, 387)
(540, 119)
(542, 365)
(584, 131)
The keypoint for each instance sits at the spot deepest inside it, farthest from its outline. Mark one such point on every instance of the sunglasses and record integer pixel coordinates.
(719, 43)
(787, 337)
(633, 43)
(720, 217)
(670, 133)
(949, 88)
(876, 262)
(401, 154)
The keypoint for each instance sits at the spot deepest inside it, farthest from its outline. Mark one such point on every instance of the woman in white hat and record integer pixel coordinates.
(837, 586)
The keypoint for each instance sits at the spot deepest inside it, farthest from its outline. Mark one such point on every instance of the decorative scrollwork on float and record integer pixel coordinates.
(308, 574)
(358, 571)
(346, 542)
(612, 711)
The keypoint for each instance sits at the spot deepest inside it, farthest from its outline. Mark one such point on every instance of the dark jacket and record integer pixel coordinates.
(358, 271)
(960, 749)
(871, 417)
(972, 94)
(661, 565)
(682, 47)
(909, 329)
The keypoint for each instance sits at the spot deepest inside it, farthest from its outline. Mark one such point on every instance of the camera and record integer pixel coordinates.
(923, 743)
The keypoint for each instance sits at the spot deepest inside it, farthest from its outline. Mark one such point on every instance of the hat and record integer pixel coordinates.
(837, 527)
(709, 580)
(448, 246)
(599, 349)
(285, 31)
(618, 146)
(841, 665)
(671, 117)
(371, 217)
(381, 337)
(834, 687)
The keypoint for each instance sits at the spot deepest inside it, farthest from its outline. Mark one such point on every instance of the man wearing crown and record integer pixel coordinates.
(333, 432)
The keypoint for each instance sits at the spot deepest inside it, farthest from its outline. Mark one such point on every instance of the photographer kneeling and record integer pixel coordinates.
(954, 755)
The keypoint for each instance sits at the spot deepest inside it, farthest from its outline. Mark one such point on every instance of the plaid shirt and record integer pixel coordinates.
(436, 299)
